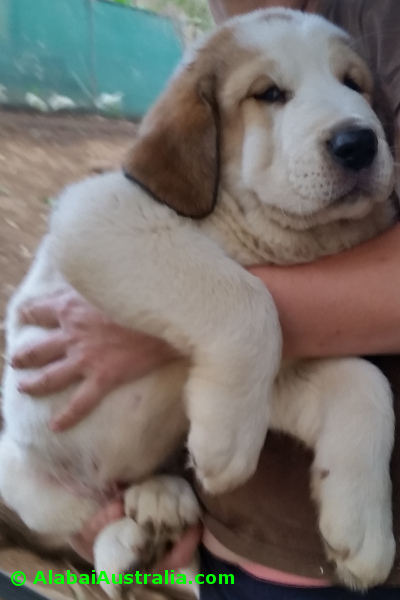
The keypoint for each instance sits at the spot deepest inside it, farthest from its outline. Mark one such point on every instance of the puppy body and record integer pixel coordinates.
(283, 198)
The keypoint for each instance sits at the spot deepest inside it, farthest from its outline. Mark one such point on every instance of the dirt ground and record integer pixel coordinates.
(39, 154)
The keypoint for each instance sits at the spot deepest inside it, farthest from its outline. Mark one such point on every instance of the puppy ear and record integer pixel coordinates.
(176, 157)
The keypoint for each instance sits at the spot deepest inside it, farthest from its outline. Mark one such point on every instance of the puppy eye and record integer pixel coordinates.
(353, 85)
(272, 95)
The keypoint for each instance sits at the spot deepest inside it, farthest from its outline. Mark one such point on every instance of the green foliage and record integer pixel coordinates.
(196, 12)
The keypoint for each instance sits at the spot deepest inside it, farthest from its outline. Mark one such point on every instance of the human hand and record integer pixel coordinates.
(82, 346)
(177, 558)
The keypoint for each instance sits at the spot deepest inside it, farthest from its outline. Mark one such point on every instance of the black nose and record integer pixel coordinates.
(354, 148)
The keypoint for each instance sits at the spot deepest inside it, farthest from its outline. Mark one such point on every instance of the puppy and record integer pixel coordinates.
(264, 148)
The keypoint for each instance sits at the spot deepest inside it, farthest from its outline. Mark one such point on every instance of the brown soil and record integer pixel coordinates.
(39, 154)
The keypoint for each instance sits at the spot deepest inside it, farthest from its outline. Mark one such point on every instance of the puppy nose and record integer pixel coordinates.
(354, 148)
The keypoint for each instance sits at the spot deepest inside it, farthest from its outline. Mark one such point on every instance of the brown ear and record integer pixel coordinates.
(176, 157)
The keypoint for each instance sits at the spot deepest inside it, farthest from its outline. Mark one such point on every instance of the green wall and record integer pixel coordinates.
(84, 48)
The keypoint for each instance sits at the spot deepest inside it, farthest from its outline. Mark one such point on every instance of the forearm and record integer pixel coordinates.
(347, 304)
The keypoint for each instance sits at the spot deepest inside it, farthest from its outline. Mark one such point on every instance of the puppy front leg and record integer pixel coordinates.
(351, 479)
(168, 279)
(342, 409)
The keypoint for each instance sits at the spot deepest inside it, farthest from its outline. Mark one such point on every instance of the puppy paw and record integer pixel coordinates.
(119, 549)
(164, 506)
(357, 532)
(365, 566)
(157, 513)
(226, 458)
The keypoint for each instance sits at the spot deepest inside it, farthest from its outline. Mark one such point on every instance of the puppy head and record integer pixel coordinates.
(274, 104)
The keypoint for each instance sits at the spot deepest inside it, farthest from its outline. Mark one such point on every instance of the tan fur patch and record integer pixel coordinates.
(345, 62)
(177, 156)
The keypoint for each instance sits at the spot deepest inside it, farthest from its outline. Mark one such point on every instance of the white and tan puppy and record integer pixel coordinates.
(263, 149)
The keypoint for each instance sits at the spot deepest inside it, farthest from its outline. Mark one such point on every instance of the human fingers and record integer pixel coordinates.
(53, 378)
(87, 397)
(42, 312)
(183, 551)
(42, 353)
(83, 542)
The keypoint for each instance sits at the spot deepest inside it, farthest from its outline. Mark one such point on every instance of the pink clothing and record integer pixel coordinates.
(257, 570)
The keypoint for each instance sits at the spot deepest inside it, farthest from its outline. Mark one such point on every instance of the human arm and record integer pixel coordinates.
(346, 304)
(340, 305)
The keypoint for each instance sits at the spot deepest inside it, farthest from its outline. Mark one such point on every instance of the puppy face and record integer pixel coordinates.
(300, 132)
(274, 104)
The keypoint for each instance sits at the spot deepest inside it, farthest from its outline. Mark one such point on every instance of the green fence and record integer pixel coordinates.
(86, 54)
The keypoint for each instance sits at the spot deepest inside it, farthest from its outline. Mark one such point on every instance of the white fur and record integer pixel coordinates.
(184, 281)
